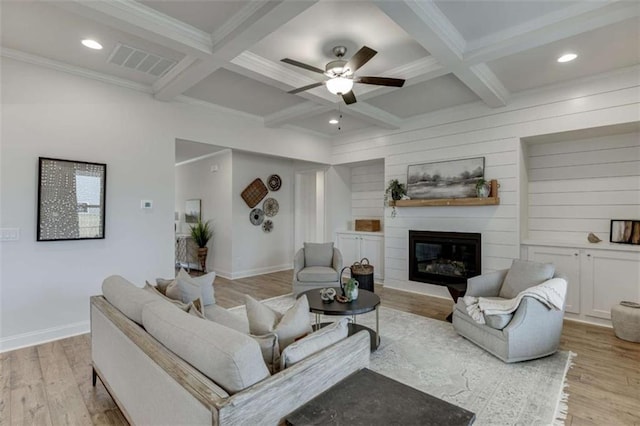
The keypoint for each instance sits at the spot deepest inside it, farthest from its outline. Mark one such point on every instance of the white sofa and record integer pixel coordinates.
(152, 384)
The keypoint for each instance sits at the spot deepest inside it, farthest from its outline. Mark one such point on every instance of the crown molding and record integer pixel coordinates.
(173, 73)
(72, 69)
(272, 70)
(568, 22)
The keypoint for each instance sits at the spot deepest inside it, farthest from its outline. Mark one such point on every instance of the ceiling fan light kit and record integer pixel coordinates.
(339, 85)
(340, 73)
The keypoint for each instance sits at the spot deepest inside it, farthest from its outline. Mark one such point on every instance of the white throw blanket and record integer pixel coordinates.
(551, 293)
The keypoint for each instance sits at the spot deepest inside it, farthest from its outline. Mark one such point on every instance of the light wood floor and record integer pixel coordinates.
(50, 384)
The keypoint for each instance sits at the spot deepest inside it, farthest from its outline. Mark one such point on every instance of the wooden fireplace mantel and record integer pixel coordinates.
(491, 200)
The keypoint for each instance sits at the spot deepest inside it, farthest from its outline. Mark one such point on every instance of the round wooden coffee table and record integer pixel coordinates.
(366, 302)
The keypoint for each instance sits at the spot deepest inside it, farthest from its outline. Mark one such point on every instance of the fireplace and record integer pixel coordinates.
(444, 257)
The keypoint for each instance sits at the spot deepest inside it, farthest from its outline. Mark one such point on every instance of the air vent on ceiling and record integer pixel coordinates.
(139, 60)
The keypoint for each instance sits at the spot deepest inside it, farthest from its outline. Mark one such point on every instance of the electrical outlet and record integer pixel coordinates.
(9, 234)
(146, 204)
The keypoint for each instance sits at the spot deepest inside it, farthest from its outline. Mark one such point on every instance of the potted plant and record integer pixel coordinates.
(201, 234)
(482, 188)
(395, 191)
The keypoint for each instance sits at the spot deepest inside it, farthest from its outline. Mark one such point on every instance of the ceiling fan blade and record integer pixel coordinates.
(302, 89)
(381, 81)
(349, 97)
(301, 65)
(361, 57)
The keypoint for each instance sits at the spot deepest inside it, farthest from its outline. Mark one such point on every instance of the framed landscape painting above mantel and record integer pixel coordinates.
(445, 179)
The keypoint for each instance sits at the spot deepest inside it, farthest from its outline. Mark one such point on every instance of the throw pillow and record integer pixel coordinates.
(318, 254)
(294, 324)
(192, 288)
(314, 342)
(162, 284)
(194, 309)
(270, 350)
(173, 291)
(152, 289)
(524, 274)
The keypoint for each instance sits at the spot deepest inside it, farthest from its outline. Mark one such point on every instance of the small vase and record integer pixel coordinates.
(202, 257)
(483, 191)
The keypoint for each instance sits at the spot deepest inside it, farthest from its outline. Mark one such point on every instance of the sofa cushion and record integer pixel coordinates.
(314, 342)
(220, 315)
(126, 297)
(229, 358)
(192, 288)
(320, 274)
(524, 274)
(318, 254)
(294, 324)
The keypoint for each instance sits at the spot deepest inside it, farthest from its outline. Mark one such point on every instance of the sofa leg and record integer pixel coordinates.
(94, 377)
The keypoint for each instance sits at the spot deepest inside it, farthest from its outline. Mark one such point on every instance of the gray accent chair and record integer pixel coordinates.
(316, 265)
(532, 331)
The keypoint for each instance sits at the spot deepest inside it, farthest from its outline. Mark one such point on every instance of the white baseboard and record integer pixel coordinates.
(260, 271)
(43, 336)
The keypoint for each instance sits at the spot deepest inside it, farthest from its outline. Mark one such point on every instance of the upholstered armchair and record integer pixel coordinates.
(532, 331)
(316, 265)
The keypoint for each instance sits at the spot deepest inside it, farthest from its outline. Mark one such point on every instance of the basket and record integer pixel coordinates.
(363, 273)
(254, 193)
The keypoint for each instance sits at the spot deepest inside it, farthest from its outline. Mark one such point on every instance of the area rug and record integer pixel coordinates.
(429, 355)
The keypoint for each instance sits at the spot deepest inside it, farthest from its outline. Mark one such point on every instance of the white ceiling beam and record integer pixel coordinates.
(568, 22)
(145, 22)
(373, 115)
(429, 26)
(254, 22)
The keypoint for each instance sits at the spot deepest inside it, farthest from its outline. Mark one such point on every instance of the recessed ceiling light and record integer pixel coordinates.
(567, 57)
(91, 44)
(333, 121)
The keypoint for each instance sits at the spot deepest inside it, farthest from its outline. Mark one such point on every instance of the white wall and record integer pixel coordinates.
(338, 201)
(578, 186)
(255, 251)
(45, 286)
(476, 130)
(195, 180)
(367, 196)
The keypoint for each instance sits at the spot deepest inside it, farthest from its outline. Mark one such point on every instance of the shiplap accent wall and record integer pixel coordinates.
(476, 130)
(578, 186)
(367, 191)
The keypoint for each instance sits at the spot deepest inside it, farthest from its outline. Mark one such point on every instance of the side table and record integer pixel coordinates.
(456, 291)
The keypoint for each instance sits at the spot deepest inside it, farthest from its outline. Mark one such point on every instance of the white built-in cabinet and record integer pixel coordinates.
(598, 278)
(355, 246)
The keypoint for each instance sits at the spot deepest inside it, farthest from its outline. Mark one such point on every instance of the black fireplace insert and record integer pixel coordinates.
(444, 257)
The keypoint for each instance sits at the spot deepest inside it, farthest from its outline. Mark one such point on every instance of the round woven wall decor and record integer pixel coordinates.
(274, 182)
(256, 216)
(270, 207)
(267, 226)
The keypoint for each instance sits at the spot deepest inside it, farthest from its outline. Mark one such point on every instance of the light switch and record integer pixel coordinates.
(9, 234)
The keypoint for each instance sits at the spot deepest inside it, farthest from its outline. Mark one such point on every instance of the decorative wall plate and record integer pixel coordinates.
(274, 182)
(256, 216)
(267, 226)
(270, 207)
(254, 192)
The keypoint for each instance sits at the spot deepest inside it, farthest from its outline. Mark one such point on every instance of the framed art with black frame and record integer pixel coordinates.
(71, 200)
(625, 231)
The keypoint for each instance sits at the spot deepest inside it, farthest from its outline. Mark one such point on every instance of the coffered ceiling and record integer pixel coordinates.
(228, 53)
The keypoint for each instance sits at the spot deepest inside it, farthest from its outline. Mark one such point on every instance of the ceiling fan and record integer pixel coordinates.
(341, 73)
